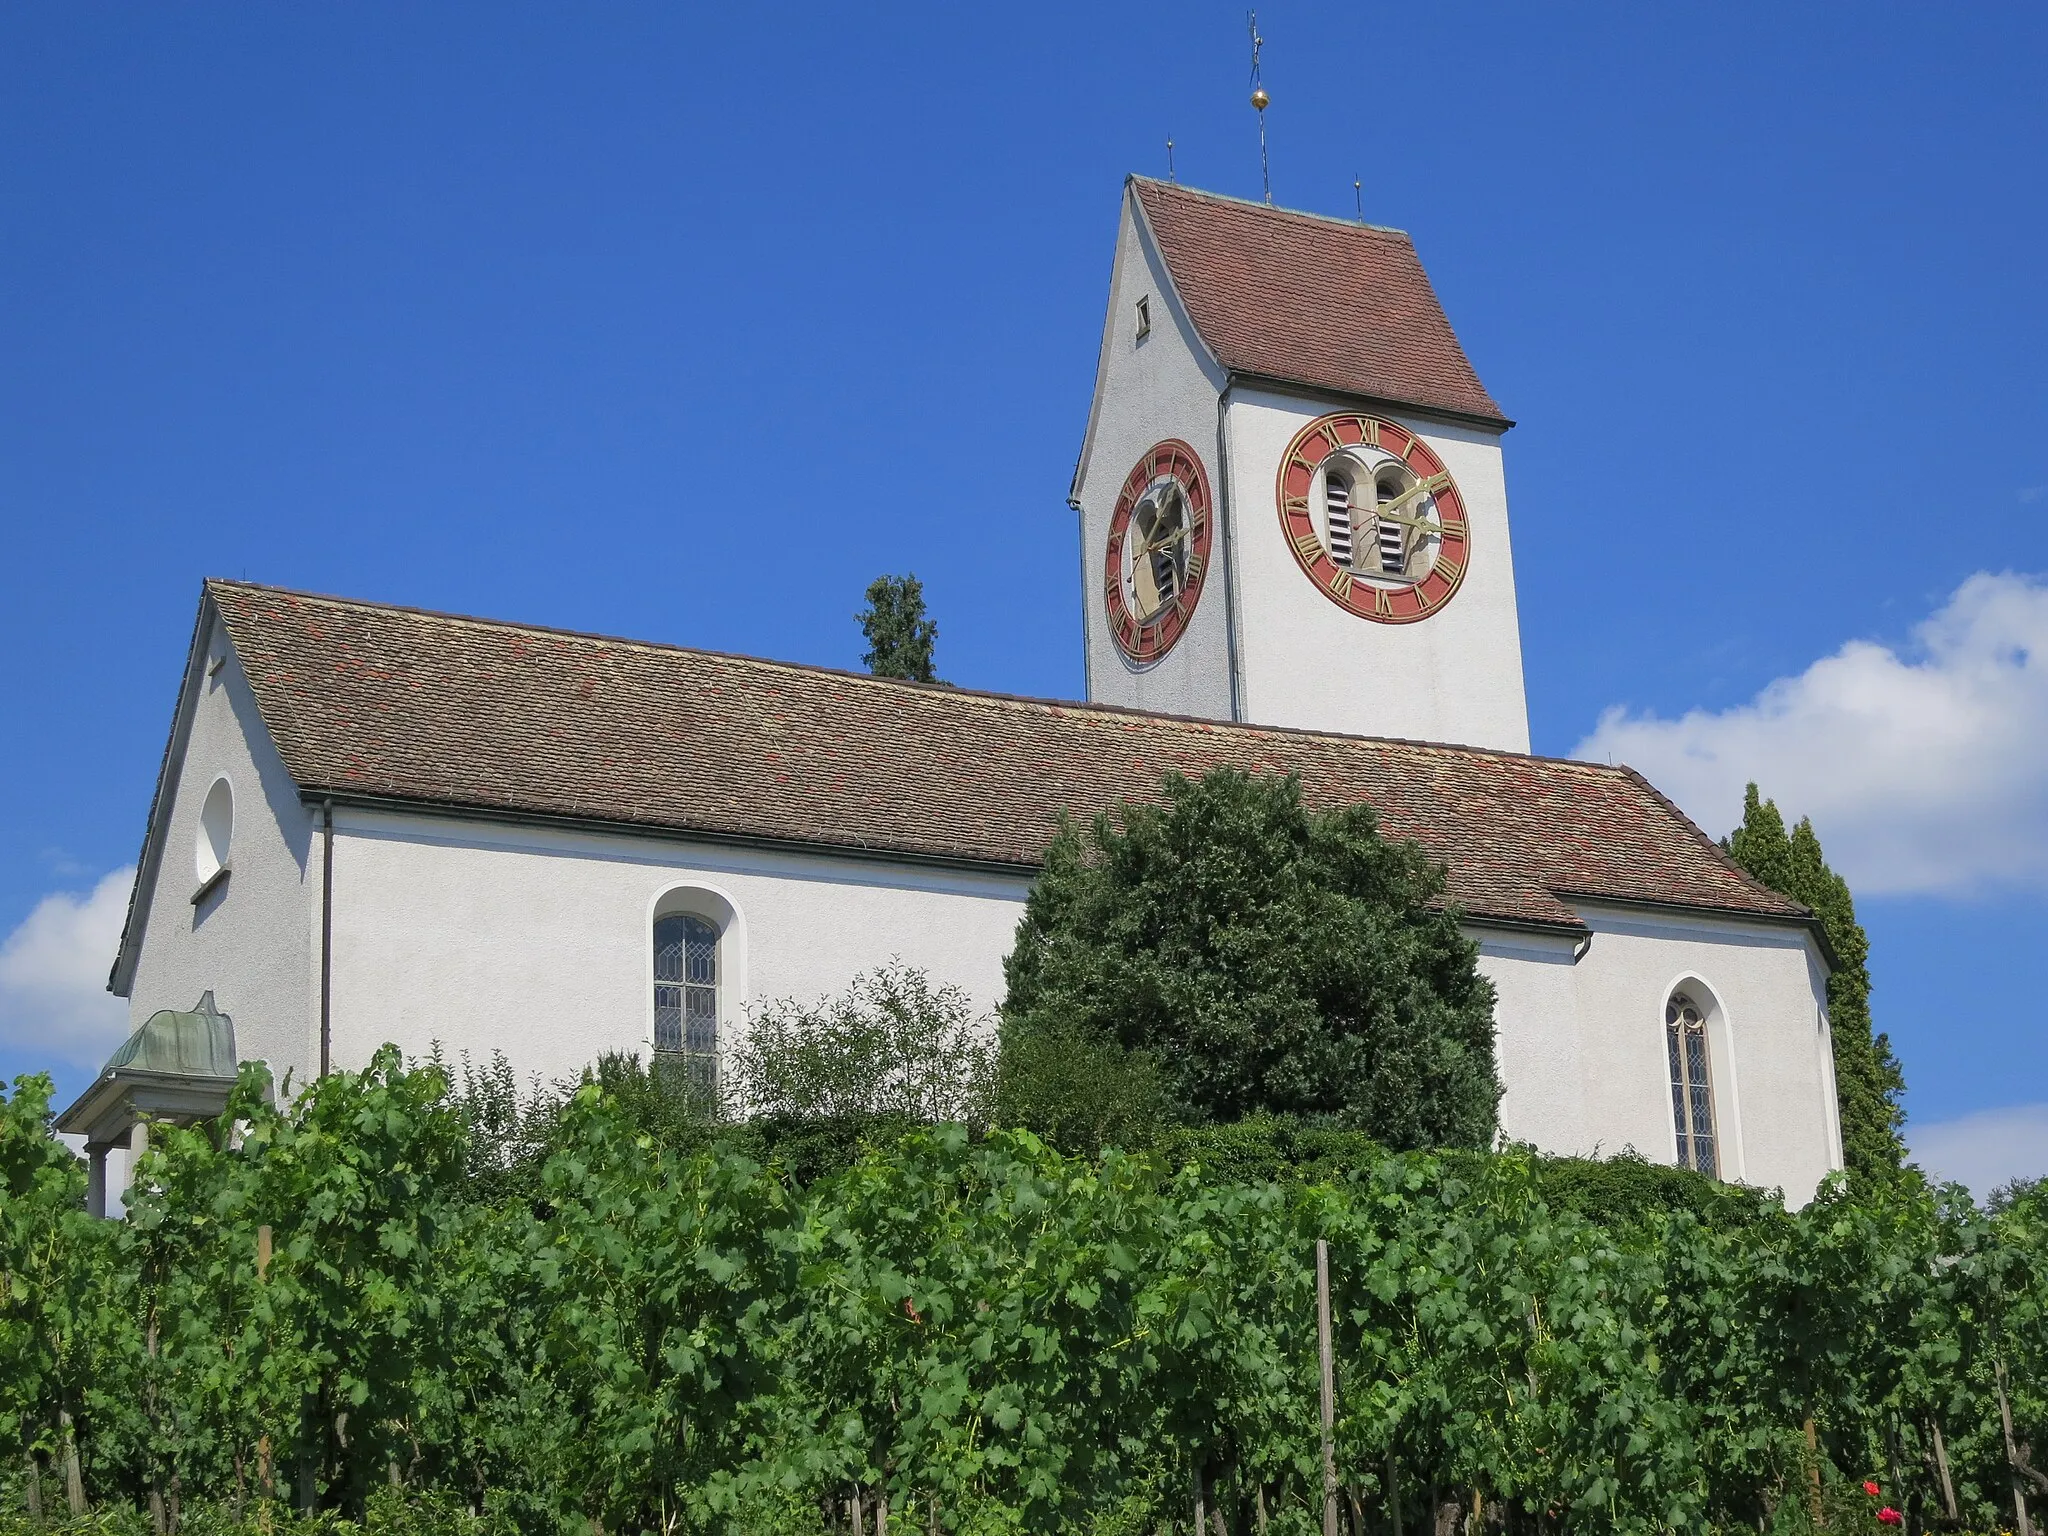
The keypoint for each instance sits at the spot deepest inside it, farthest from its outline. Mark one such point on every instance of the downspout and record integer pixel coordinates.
(326, 934)
(1230, 614)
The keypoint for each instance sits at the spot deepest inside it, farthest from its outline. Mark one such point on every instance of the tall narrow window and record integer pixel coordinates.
(1337, 505)
(1692, 1090)
(686, 992)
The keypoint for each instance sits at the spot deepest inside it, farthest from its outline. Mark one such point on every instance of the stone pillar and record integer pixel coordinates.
(138, 1143)
(96, 1179)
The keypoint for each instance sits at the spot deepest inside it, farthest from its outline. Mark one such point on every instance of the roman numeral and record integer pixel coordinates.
(1340, 582)
(1310, 546)
(1382, 603)
(1371, 428)
(1294, 504)
(1437, 482)
(1195, 568)
(1451, 566)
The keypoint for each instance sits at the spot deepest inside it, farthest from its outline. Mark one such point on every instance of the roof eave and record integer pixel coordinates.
(1303, 388)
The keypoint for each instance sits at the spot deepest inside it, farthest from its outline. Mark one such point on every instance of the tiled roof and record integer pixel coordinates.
(375, 701)
(1322, 302)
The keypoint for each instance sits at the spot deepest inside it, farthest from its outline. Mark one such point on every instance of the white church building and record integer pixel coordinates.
(375, 823)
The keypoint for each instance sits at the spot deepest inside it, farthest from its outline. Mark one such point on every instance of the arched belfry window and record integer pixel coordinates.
(1337, 513)
(686, 992)
(1692, 1088)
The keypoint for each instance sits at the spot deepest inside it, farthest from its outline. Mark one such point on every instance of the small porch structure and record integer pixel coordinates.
(178, 1068)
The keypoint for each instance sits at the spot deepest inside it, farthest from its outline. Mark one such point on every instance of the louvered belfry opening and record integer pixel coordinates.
(1393, 544)
(1337, 507)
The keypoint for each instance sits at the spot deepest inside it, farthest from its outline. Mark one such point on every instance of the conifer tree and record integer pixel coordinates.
(1868, 1079)
(900, 636)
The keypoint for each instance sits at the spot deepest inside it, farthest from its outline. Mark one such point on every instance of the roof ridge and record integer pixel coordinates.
(1256, 206)
(947, 690)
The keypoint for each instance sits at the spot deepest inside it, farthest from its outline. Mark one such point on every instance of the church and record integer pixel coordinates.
(376, 823)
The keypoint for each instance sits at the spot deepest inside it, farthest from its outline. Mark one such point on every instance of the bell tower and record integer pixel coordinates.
(1292, 504)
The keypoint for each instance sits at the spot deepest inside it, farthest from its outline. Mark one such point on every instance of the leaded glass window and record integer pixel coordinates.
(686, 992)
(1692, 1089)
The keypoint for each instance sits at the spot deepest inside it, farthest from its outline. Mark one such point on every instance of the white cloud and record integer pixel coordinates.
(1985, 1149)
(53, 975)
(1925, 769)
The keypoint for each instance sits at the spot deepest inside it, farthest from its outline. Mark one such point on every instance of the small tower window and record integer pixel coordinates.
(1692, 1089)
(1337, 512)
(686, 994)
(1144, 317)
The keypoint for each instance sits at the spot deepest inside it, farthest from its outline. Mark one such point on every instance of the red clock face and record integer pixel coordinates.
(1373, 518)
(1159, 539)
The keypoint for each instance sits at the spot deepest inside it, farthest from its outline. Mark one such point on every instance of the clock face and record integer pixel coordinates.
(1158, 554)
(1373, 518)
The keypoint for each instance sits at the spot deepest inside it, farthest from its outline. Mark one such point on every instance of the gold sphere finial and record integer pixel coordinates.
(1260, 98)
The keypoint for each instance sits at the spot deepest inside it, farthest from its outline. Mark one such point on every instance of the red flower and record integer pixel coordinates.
(910, 1311)
(1889, 1516)
(1871, 1489)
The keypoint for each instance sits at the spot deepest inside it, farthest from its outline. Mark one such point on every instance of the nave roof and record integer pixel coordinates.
(373, 703)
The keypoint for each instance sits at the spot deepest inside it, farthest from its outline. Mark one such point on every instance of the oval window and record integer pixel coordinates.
(216, 829)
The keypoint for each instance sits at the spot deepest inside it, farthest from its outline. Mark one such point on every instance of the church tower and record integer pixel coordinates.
(1292, 505)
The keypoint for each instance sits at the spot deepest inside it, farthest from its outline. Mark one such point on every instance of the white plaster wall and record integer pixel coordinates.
(1771, 1059)
(1147, 391)
(1455, 676)
(251, 940)
(536, 941)
(1536, 1037)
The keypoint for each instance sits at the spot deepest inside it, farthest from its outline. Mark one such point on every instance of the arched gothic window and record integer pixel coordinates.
(686, 992)
(1692, 1089)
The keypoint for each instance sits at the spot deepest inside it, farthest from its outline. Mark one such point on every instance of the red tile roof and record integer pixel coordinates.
(445, 712)
(1321, 302)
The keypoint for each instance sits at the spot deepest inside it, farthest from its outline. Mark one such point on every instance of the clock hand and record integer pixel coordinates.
(1419, 524)
(1417, 489)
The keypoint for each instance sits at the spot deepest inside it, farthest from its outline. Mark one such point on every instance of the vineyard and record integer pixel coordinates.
(332, 1308)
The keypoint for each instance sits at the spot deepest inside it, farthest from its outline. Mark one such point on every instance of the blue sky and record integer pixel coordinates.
(683, 324)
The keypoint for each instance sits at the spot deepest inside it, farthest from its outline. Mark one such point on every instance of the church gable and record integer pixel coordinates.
(376, 705)
(220, 899)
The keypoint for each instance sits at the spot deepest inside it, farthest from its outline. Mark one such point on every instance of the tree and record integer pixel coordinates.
(900, 637)
(1262, 958)
(891, 1044)
(1868, 1079)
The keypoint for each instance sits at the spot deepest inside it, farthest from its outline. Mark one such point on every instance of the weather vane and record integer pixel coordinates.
(1259, 101)
(1358, 197)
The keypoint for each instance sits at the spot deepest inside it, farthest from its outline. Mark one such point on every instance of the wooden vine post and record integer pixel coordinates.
(1813, 1473)
(1326, 1353)
(2014, 1459)
(1948, 1487)
(74, 1478)
(266, 1487)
